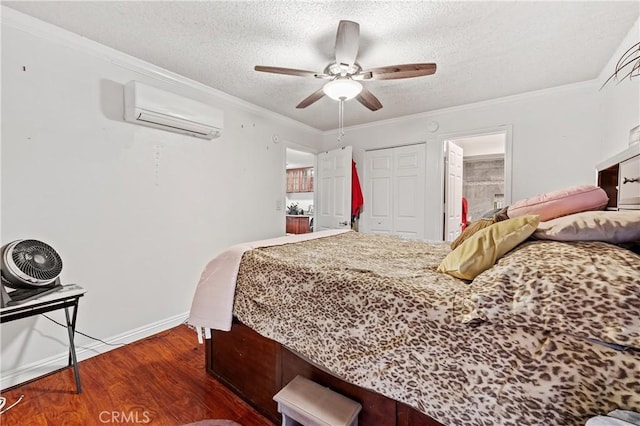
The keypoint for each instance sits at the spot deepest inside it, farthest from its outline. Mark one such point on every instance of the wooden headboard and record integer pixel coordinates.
(619, 176)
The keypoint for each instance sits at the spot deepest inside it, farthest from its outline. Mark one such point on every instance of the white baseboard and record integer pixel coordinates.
(36, 369)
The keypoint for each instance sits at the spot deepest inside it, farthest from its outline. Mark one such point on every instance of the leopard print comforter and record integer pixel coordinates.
(514, 347)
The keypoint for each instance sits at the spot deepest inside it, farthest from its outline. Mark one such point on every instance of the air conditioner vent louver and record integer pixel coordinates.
(141, 117)
(182, 126)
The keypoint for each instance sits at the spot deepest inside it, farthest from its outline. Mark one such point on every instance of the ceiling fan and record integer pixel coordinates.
(345, 73)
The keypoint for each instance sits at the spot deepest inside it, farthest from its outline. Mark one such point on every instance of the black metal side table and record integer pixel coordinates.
(67, 297)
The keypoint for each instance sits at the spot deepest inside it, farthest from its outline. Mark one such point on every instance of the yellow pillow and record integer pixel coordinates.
(471, 229)
(485, 247)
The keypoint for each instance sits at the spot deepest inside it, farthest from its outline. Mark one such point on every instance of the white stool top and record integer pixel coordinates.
(606, 421)
(317, 402)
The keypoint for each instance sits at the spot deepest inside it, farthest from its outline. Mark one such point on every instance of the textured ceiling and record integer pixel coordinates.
(484, 50)
(296, 159)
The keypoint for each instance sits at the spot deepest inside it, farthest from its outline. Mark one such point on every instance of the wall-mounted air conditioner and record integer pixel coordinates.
(149, 106)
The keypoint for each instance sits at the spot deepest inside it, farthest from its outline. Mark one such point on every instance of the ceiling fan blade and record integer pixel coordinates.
(288, 71)
(315, 96)
(393, 72)
(367, 99)
(347, 42)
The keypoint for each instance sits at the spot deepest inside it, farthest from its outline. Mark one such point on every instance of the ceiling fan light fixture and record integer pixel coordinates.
(342, 89)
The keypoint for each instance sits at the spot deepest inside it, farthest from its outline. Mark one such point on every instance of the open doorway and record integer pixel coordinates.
(484, 185)
(299, 197)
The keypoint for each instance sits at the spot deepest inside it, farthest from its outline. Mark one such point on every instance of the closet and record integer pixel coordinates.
(394, 191)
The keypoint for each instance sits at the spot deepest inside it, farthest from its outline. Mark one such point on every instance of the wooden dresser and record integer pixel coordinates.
(297, 224)
(619, 176)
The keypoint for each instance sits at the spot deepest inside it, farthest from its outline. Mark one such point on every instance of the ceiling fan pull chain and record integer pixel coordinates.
(340, 119)
(341, 122)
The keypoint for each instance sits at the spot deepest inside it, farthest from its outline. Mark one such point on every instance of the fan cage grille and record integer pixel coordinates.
(37, 260)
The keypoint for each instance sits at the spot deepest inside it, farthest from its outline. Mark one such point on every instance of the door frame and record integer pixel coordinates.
(507, 130)
(298, 147)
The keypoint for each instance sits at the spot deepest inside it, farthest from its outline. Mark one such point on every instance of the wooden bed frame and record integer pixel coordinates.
(256, 368)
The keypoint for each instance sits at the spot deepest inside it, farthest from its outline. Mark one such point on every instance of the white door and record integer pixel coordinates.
(453, 191)
(333, 179)
(409, 188)
(394, 191)
(378, 191)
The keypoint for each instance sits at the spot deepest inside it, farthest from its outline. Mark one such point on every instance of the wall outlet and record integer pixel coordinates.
(279, 205)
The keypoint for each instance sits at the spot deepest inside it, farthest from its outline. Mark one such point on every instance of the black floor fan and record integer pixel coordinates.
(30, 269)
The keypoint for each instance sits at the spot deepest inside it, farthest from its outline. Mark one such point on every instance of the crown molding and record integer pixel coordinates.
(588, 84)
(39, 28)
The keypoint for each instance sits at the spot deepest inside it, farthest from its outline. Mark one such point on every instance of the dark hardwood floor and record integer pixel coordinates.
(160, 380)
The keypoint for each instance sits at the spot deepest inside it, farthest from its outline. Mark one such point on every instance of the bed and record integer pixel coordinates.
(550, 335)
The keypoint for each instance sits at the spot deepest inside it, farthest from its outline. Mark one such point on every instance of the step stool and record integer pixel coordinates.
(310, 404)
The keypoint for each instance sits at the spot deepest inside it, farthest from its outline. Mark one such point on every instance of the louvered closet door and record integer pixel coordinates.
(394, 191)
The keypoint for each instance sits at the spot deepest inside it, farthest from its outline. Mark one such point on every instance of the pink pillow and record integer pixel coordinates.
(559, 203)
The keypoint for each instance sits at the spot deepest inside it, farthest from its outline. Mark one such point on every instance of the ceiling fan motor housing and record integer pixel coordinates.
(29, 264)
(334, 69)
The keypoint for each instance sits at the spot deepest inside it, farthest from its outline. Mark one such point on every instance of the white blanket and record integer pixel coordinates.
(212, 305)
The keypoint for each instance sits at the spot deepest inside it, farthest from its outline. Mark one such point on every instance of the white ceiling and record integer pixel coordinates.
(482, 145)
(483, 50)
(297, 159)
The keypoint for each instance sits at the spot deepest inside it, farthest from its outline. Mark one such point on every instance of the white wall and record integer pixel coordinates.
(619, 103)
(134, 212)
(303, 199)
(556, 140)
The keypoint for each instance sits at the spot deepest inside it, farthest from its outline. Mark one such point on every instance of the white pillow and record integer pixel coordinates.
(608, 226)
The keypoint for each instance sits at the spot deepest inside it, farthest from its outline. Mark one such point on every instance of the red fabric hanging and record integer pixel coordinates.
(357, 200)
(465, 212)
